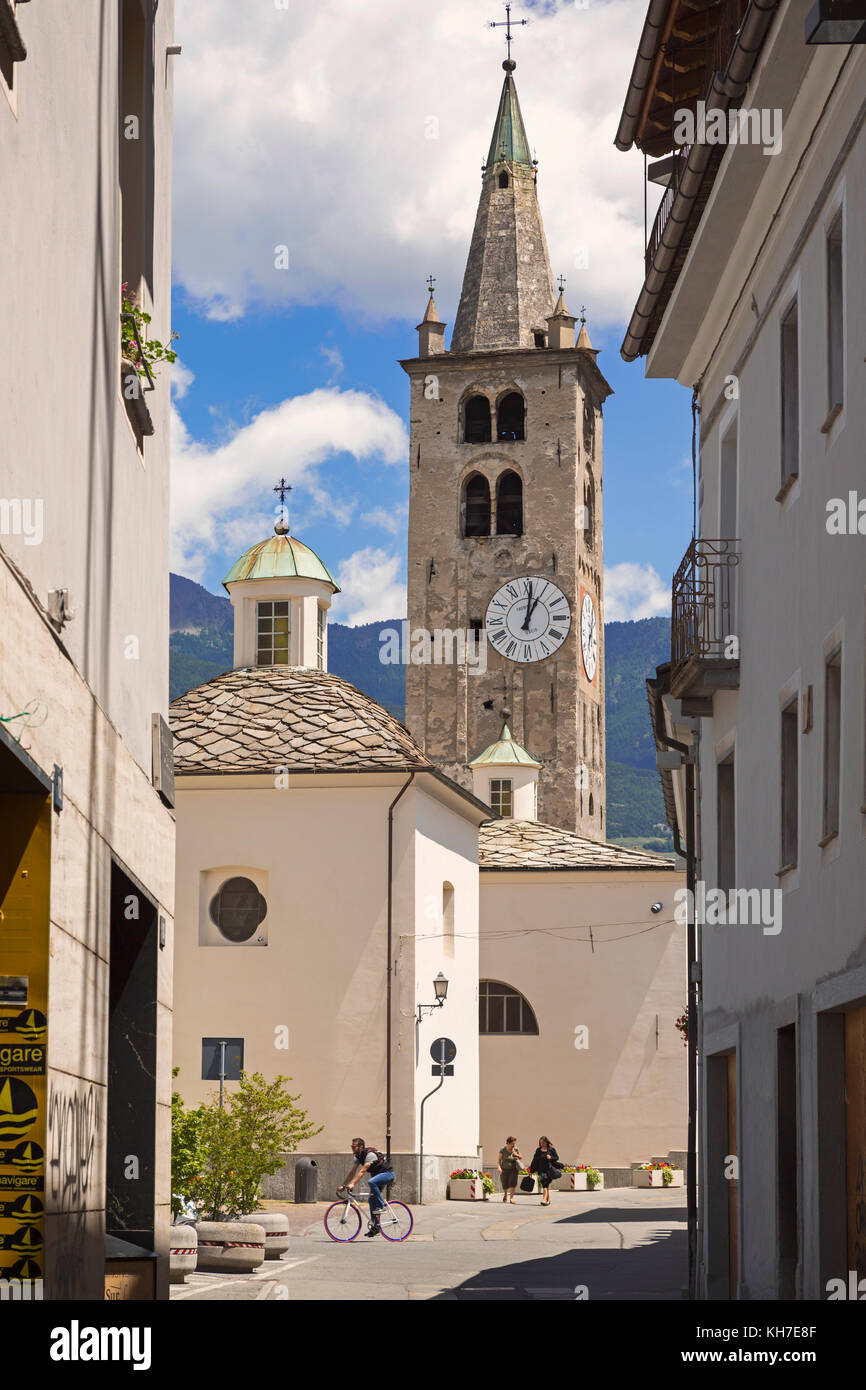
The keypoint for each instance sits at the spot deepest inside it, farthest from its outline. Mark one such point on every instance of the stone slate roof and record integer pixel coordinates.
(527, 844)
(257, 718)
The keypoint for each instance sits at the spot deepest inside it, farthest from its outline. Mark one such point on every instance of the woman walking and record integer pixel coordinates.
(545, 1162)
(510, 1160)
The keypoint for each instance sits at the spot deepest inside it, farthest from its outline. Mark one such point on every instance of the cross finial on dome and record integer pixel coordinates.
(281, 525)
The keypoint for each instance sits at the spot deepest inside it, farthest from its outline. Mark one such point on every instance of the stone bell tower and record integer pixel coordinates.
(505, 533)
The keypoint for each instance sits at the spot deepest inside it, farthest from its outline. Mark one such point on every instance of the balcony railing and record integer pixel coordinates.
(663, 211)
(705, 653)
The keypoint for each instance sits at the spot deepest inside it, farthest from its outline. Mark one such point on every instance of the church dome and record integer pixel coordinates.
(280, 557)
(505, 753)
(254, 719)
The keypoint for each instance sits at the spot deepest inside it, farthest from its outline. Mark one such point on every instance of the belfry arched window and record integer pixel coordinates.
(476, 420)
(588, 509)
(477, 515)
(509, 505)
(510, 417)
(502, 1009)
(503, 180)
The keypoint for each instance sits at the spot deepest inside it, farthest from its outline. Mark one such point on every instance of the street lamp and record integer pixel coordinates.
(836, 21)
(440, 989)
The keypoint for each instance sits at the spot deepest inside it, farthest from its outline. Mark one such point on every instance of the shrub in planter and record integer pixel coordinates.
(469, 1185)
(579, 1178)
(658, 1175)
(221, 1154)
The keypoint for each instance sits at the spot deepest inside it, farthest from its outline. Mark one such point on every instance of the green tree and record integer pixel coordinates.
(245, 1141)
(187, 1154)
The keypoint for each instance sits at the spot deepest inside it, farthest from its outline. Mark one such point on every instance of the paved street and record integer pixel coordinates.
(621, 1244)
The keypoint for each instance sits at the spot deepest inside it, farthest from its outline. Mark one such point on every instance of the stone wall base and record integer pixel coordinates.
(333, 1168)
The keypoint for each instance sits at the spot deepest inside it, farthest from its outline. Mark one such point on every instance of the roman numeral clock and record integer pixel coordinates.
(528, 619)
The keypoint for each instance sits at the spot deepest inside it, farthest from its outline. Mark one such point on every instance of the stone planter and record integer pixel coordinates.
(236, 1246)
(576, 1182)
(183, 1252)
(276, 1228)
(466, 1190)
(654, 1177)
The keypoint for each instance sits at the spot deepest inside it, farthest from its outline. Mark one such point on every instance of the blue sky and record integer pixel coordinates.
(296, 370)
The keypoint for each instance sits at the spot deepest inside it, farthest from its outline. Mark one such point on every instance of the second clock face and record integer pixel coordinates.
(588, 636)
(528, 619)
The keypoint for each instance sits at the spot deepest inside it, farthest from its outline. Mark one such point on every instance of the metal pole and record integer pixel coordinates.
(222, 1071)
(692, 1036)
(421, 1140)
(389, 968)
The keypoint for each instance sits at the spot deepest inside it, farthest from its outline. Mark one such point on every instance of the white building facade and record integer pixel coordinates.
(761, 308)
(87, 857)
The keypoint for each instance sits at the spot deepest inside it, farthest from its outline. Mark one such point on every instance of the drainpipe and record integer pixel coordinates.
(688, 756)
(389, 968)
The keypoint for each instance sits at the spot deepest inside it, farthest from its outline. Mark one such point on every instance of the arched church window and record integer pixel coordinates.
(503, 180)
(509, 505)
(510, 417)
(502, 1009)
(476, 420)
(589, 426)
(588, 510)
(477, 521)
(238, 909)
(448, 918)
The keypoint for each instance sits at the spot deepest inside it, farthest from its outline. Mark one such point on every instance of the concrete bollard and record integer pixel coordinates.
(183, 1252)
(235, 1246)
(276, 1228)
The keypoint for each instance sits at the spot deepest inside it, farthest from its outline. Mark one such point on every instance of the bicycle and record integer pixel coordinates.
(343, 1219)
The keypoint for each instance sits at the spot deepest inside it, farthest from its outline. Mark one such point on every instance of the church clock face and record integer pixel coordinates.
(528, 619)
(588, 636)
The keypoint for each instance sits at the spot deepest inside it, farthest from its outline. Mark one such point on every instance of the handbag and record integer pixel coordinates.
(527, 1184)
(555, 1168)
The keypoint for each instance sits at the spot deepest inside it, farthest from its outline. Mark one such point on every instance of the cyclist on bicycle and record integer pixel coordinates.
(376, 1166)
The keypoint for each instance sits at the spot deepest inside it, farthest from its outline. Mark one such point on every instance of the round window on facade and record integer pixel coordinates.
(238, 909)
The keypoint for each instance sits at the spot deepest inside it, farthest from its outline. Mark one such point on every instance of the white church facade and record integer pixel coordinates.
(335, 867)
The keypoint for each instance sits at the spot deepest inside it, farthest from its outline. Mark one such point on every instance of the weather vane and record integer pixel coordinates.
(506, 25)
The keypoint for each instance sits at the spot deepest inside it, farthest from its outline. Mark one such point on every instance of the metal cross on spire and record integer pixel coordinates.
(431, 281)
(561, 283)
(282, 488)
(506, 25)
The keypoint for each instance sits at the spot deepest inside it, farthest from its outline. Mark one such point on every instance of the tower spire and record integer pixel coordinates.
(508, 292)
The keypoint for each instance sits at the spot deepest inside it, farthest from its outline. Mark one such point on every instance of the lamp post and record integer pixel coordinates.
(440, 989)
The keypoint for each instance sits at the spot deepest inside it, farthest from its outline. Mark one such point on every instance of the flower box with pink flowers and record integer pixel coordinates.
(658, 1175)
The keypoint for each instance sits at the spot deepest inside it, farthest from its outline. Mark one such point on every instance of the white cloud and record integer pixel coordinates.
(334, 359)
(633, 591)
(182, 378)
(371, 588)
(212, 484)
(310, 127)
(392, 520)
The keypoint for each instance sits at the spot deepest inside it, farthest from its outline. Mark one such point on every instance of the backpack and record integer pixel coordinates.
(381, 1164)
